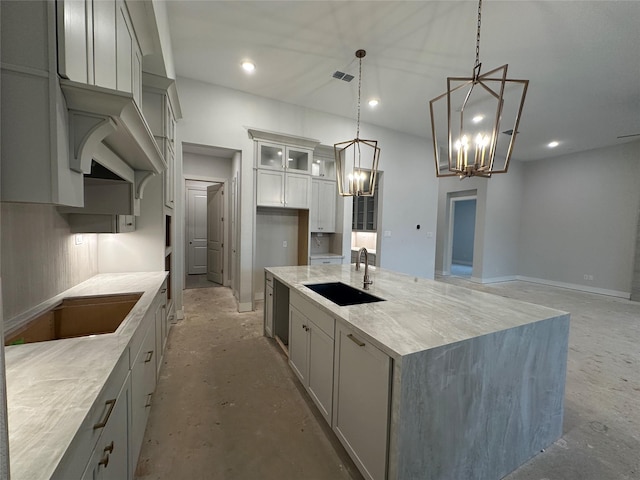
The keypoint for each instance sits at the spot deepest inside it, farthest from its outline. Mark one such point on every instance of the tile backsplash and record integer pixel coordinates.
(39, 256)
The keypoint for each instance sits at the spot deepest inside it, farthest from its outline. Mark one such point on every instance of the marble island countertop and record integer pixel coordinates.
(418, 314)
(52, 385)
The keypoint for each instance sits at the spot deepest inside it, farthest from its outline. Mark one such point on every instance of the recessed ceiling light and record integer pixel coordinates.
(478, 118)
(553, 144)
(248, 67)
(373, 102)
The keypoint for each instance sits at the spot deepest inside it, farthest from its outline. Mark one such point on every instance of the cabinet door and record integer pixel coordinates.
(268, 310)
(271, 155)
(110, 457)
(327, 207)
(314, 210)
(104, 43)
(320, 376)
(298, 160)
(143, 382)
(297, 191)
(298, 348)
(362, 372)
(73, 40)
(270, 191)
(124, 50)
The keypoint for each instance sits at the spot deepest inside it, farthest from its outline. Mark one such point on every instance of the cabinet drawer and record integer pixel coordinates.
(326, 261)
(101, 413)
(322, 320)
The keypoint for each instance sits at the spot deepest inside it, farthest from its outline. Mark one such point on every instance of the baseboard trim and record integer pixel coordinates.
(575, 286)
(179, 314)
(245, 307)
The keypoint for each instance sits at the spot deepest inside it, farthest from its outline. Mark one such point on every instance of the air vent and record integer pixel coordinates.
(509, 132)
(342, 76)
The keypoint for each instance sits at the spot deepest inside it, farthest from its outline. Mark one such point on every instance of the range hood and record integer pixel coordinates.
(98, 114)
(108, 133)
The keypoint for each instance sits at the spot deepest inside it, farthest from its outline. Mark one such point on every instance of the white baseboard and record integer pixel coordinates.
(245, 307)
(575, 286)
(179, 314)
(507, 278)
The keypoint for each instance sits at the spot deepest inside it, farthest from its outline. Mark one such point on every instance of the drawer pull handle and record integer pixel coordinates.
(355, 340)
(149, 356)
(148, 404)
(109, 448)
(163, 290)
(104, 460)
(110, 404)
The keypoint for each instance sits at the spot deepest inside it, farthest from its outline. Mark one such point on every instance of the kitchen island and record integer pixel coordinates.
(434, 382)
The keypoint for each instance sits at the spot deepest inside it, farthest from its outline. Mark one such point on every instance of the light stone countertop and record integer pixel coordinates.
(51, 386)
(418, 314)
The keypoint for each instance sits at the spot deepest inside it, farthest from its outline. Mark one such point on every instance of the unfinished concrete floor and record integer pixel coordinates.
(227, 405)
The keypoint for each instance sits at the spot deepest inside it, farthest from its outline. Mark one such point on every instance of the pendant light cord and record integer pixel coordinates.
(359, 88)
(478, 35)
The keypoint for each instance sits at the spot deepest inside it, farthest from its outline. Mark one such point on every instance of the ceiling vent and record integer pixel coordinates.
(342, 76)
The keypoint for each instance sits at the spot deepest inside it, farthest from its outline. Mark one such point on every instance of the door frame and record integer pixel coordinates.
(448, 253)
(226, 274)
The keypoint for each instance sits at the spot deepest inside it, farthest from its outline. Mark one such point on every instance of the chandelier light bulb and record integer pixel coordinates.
(248, 67)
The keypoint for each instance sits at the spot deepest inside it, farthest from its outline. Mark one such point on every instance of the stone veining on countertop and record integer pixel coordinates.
(51, 386)
(417, 314)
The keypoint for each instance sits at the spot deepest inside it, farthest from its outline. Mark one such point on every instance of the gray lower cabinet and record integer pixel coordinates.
(110, 457)
(311, 351)
(143, 384)
(361, 401)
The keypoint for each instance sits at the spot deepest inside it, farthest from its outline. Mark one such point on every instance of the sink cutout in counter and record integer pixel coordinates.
(77, 317)
(343, 294)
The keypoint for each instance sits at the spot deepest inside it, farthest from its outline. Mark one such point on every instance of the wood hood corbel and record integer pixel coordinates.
(101, 115)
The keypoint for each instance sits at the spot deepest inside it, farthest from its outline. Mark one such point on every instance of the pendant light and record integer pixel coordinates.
(474, 124)
(357, 159)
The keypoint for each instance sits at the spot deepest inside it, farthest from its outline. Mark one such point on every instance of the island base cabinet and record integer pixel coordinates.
(311, 352)
(361, 401)
(110, 457)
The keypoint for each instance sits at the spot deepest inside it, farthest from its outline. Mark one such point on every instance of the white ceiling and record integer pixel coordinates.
(582, 59)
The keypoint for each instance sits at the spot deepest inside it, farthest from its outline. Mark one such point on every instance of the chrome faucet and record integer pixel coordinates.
(367, 280)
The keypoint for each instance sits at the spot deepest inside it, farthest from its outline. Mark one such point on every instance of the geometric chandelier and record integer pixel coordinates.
(474, 124)
(357, 159)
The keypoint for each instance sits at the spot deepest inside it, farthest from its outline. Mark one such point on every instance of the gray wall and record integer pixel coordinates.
(579, 217)
(463, 232)
(273, 227)
(39, 256)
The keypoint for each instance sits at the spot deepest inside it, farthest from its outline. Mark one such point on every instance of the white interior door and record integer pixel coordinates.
(215, 237)
(197, 231)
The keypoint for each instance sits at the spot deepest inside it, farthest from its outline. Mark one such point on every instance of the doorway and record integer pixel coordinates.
(205, 233)
(462, 222)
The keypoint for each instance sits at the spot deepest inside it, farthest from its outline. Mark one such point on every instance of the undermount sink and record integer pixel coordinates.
(343, 294)
(77, 317)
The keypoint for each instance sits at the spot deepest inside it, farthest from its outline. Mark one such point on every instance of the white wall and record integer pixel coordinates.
(196, 165)
(579, 217)
(218, 116)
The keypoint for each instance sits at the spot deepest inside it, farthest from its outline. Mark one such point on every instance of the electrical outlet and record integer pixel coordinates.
(429, 234)
(588, 277)
(386, 233)
(284, 244)
(79, 240)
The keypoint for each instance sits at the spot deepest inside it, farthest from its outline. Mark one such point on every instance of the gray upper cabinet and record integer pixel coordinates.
(97, 45)
(71, 96)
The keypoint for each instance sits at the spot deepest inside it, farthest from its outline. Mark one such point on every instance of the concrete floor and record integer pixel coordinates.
(227, 405)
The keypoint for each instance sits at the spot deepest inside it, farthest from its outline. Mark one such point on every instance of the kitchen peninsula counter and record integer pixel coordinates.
(52, 385)
(477, 380)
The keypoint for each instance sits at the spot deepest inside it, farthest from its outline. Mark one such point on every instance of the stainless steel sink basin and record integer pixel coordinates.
(343, 294)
